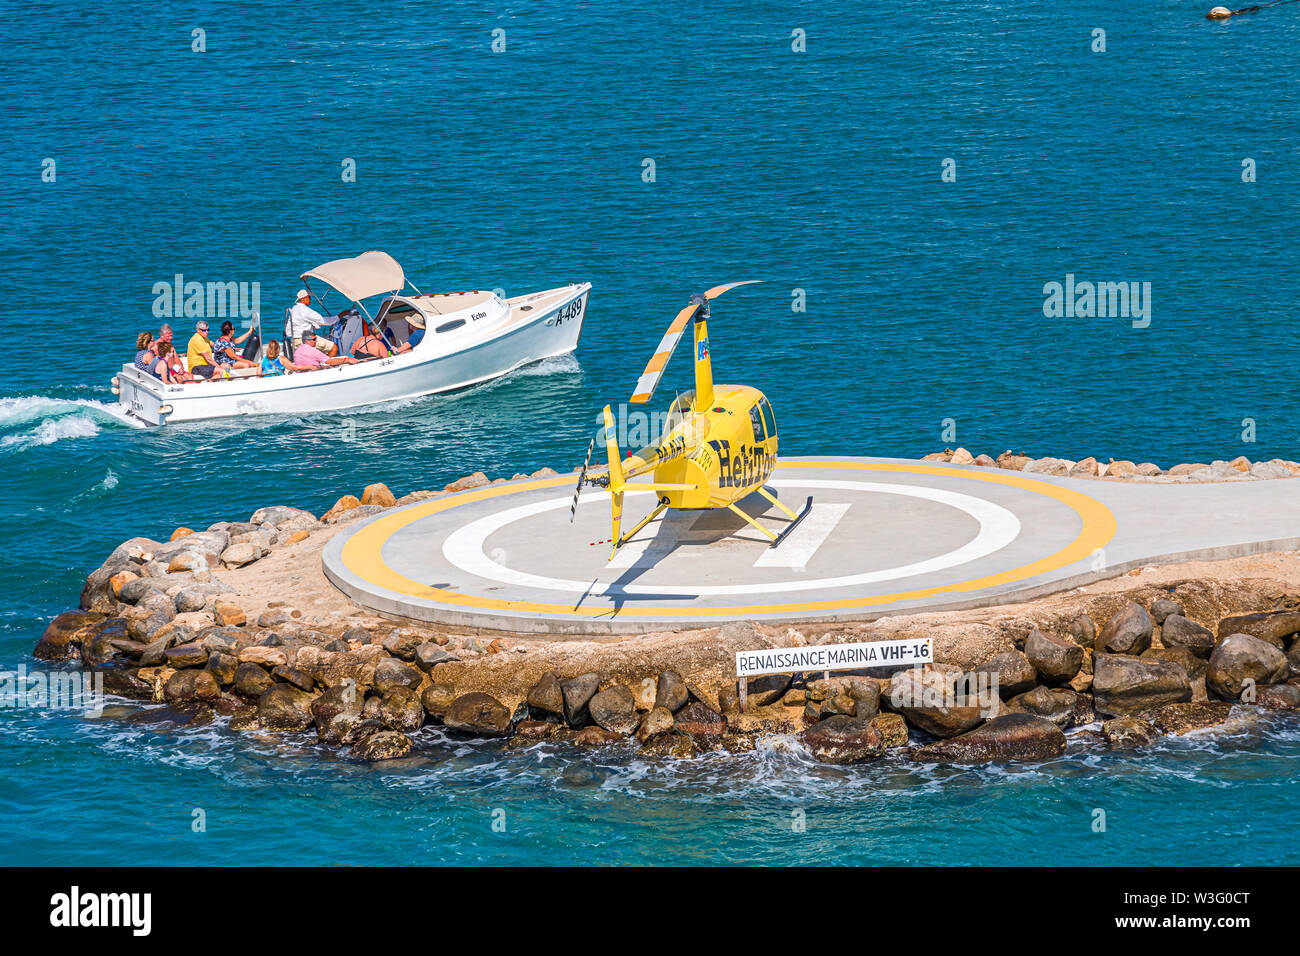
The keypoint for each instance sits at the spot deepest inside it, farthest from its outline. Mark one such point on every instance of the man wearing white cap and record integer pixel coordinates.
(302, 318)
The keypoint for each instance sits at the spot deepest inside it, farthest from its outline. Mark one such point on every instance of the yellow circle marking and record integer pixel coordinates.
(363, 557)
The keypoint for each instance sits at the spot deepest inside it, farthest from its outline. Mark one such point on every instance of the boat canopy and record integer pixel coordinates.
(371, 273)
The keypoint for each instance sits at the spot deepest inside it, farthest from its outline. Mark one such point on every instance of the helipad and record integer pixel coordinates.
(883, 536)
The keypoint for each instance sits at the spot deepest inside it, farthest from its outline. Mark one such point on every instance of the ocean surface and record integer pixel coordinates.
(820, 172)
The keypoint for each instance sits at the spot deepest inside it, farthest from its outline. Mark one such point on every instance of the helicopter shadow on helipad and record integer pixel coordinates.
(703, 528)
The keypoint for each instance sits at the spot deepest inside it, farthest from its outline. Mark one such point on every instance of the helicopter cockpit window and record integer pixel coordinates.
(769, 419)
(757, 420)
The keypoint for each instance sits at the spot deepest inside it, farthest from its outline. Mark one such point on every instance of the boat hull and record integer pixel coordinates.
(553, 330)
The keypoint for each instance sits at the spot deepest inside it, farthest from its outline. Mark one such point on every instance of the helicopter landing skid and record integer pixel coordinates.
(793, 524)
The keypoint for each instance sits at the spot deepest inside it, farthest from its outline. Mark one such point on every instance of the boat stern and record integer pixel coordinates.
(141, 396)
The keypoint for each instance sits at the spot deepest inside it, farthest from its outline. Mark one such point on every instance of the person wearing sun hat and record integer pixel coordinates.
(302, 318)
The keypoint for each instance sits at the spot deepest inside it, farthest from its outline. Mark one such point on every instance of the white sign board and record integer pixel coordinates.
(910, 652)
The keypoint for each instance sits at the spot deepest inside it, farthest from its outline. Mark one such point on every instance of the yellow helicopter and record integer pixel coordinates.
(718, 444)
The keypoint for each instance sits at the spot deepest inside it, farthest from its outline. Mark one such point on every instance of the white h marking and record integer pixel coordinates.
(798, 549)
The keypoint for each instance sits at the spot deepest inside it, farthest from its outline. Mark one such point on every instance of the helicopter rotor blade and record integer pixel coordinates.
(654, 370)
(582, 476)
(717, 290)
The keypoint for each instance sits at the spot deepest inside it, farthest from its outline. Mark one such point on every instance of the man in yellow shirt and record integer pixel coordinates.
(199, 354)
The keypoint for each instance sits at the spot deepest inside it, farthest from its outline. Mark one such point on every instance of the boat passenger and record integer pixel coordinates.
(415, 338)
(309, 355)
(371, 345)
(302, 318)
(165, 334)
(199, 357)
(144, 351)
(161, 368)
(224, 350)
(273, 363)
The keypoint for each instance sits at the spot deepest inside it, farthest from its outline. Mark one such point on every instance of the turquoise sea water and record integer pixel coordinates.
(816, 171)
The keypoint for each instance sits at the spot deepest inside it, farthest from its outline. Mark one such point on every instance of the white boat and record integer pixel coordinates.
(469, 337)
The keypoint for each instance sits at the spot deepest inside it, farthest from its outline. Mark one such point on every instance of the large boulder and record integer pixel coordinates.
(284, 708)
(1240, 661)
(545, 698)
(1061, 706)
(1178, 631)
(403, 642)
(207, 545)
(1012, 672)
(429, 655)
(930, 701)
(192, 654)
(390, 673)
(1177, 719)
(191, 685)
(1083, 632)
(252, 681)
(102, 586)
(335, 712)
(1164, 607)
(614, 709)
(1128, 733)
(400, 709)
(595, 736)
(238, 555)
(892, 729)
(1124, 686)
(378, 494)
(671, 691)
(658, 721)
(223, 668)
(64, 637)
(700, 721)
(1271, 626)
(1054, 658)
(1006, 737)
(577, 693)
(768, 689)
(1278, 697)
(437, 700)
(1128, 632)
(284, 518)
(382, 745)
(1185, 659)
(479, 714)
(843, 740)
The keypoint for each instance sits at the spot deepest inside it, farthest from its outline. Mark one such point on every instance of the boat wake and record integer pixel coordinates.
(34, 420)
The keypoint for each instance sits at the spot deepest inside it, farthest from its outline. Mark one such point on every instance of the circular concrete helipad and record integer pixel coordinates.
(881, 536)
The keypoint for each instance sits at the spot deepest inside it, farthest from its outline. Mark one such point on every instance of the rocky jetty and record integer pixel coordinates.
(1240, 468)
(236, 623)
